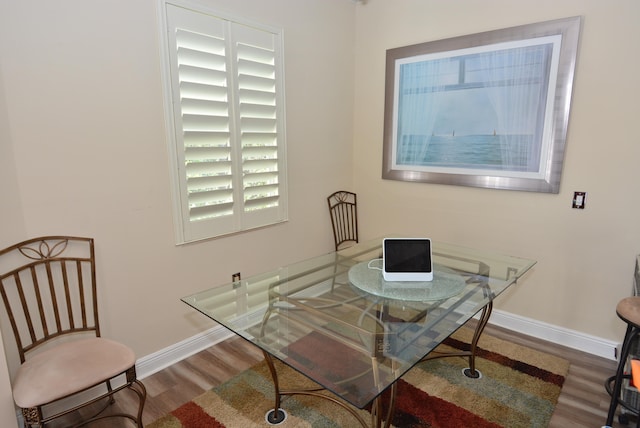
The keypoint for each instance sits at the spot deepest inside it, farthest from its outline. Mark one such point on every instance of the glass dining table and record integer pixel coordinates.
(334, 319)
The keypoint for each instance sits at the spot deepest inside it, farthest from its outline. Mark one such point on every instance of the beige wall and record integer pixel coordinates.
(86, 125)
(585, 258)
(11, 229)
(83, 151)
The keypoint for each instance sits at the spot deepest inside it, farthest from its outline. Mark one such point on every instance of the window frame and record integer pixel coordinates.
(186, 228)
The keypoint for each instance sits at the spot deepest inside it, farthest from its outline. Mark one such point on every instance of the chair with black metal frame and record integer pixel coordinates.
(623, 391)
(343, 209)
(48, 287)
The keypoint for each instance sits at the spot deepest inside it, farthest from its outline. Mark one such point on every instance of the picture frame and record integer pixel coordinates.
(484, 110)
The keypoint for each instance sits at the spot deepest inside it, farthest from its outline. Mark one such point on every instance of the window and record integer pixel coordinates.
(225, 111)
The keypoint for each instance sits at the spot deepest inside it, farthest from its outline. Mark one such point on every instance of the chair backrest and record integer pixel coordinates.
(343, 209)
(48, 287)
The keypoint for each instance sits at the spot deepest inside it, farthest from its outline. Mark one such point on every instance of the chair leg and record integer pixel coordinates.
(32, 417)
(142, 395)
(112, 399)
(617, 386)
(139, 389)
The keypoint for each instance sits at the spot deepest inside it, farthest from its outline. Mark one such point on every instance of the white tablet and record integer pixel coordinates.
(407, 259)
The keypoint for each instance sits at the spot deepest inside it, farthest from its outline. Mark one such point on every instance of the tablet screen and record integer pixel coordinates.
(407, 259)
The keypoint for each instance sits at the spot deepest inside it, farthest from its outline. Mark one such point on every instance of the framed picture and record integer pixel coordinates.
(484, 110)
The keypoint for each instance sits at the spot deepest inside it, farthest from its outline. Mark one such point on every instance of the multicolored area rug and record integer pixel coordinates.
(519, 387)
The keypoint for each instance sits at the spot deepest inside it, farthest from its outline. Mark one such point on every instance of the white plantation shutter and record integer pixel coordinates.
(228, 120)
(259, 114)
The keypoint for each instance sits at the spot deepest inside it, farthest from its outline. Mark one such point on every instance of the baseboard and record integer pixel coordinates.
(559, 335)
(159, 360)
(163, 358)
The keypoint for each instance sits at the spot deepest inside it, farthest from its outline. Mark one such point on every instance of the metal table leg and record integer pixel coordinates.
(277, 415)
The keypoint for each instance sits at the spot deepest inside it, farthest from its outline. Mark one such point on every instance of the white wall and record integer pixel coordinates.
(83, 151)
(585, 258)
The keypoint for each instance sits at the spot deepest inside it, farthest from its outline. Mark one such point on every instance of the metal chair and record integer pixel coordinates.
(628, 310)
(48, 286)
(343, 209)
(623, 393)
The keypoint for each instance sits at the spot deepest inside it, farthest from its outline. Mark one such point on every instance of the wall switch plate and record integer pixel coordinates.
(579, 199)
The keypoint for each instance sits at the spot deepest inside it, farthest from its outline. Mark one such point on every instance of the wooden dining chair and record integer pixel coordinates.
(343, 209)
(48, 286)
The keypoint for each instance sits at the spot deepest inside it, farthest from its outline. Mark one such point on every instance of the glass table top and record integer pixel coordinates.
(339, 323)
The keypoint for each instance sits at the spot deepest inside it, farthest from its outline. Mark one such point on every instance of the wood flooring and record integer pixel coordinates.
(582, 403)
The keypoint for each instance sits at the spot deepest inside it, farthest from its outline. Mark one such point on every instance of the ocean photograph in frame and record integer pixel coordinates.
(484, 110)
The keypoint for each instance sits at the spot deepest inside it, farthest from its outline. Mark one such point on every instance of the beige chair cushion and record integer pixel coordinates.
(69, 368)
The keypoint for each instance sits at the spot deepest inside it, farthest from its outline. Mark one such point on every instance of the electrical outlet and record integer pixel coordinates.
(579, 199)
(235, 277)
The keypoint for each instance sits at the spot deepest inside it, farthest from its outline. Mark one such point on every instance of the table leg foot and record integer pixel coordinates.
(473, 374)
(275, 417)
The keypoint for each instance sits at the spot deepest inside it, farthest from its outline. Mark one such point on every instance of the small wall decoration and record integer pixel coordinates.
(484, 110)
